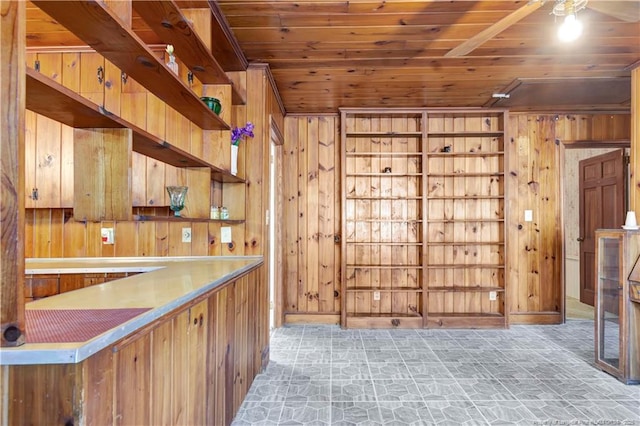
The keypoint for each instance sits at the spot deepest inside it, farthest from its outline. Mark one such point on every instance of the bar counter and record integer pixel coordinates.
(179, 342)
(164, 285)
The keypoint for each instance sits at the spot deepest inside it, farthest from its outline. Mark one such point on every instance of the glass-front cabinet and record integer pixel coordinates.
(616, 252)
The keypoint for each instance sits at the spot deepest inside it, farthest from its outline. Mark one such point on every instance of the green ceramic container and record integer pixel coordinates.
(213, 104)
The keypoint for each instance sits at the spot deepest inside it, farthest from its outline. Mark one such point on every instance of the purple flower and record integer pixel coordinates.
(239, 133)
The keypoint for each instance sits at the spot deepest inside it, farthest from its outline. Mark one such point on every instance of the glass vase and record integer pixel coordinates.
(234, 159)
(172, 64)
(177, 194)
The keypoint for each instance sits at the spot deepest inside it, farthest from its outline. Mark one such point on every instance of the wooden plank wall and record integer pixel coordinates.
(54, 233)
(535, 248)
(535, 275)
(311, 217)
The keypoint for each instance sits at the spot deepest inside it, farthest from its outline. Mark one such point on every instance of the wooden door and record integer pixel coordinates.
(602, 206)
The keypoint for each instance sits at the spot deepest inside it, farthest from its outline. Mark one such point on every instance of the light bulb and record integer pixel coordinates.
(570, 29)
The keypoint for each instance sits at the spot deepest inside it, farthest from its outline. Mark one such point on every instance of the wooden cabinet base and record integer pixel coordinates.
(193, 366)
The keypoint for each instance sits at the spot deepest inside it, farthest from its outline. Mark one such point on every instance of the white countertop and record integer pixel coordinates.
(166, 284)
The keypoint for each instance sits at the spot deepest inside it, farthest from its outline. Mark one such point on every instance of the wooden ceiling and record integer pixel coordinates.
(326, 54)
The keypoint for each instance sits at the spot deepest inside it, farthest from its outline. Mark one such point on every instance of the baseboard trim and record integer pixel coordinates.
(312, 319)
(535, 318)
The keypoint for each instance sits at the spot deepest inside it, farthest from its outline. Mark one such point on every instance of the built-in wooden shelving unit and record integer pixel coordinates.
(165, 19)
(383, 211)
(423, 241)
(466, 241)
(96, 25)
(121, 51)
(76, 111)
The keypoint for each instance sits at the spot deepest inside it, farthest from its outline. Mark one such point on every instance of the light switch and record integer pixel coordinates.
(186, 235)
(528, 215)
(225, 235)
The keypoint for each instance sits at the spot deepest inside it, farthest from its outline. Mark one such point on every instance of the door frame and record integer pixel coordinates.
(275, 267)
(561, 170)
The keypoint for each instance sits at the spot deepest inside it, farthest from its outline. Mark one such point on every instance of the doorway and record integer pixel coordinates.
(574, 267)
(275, 226)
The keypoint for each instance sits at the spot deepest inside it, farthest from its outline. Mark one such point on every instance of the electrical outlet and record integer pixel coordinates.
(376, 295)
(493, 295)
(108, 236)
(186, 235)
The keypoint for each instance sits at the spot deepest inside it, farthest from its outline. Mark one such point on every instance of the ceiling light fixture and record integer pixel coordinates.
(571, 27)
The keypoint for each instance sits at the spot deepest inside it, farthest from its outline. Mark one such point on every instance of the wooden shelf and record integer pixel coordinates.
(465, 174)
(383, 154)
(226, 49)
(166, 20)
(398, 198)
(385, 289)
(78, 112)
(96, 25)
(458, 289)
(51, 99)
(466, 315)
(447, 221)
(383, 174)
(383, 243)
(459, 266)
(384, 266)
(386, 315)
(468, 197)
(384, 134)
(469, 134)
(466, 243)
(141, 218)
(597, 143)
(466, 154)
(223, 176)
(407, 221)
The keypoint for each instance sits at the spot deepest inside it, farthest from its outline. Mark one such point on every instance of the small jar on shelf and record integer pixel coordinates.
(215, 212)
(224, 213)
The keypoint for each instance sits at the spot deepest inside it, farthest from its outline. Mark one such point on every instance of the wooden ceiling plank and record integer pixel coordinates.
(493, 30)
(238, 8)
(628, 11)
(367, 20)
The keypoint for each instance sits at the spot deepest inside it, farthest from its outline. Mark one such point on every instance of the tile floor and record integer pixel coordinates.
(323, 375)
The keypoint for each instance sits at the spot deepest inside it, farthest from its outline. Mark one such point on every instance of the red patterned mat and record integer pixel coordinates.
(73, 325)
